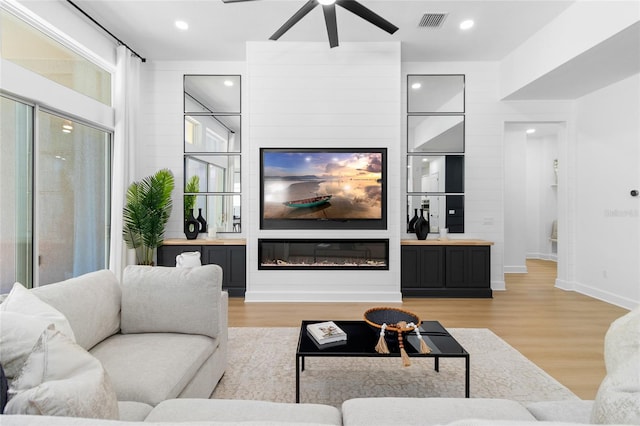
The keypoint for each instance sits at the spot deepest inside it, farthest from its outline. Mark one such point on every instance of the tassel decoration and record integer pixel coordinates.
(382, 347)
(424, 348)
(403, 353)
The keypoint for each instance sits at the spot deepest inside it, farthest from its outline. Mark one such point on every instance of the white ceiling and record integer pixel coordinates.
(219, 31)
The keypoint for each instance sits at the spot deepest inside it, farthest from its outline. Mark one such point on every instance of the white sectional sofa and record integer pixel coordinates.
(153, 348)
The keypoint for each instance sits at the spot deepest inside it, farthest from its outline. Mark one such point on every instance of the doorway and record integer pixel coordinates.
(531, 155)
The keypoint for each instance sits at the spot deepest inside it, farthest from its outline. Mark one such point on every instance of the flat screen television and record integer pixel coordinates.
(323, 188)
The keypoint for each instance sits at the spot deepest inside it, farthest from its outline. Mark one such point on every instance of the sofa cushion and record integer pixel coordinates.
(577, 411)
(67, 421)
(226, 410)
(23, 301)
(133, 411)
(177, 300)
(59, 378)
(91, 303)
(153, 367)
(428, 411)
(618, 397)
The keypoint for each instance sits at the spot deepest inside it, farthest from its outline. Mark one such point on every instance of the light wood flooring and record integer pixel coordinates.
(560, 331)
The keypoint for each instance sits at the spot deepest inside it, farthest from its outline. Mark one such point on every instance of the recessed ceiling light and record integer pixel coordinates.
(326, 2)
(182, 25)
(416, 86)
(530, 131)
(465, 25)
(228, 83)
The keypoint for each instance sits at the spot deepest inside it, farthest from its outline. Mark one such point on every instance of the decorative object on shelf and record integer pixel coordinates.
(211, 234)
(412, 222)
(191, 227)
(326, 332)
(421, 226)
(188, 259)
(202, 221)
(555, 169)
(398, 321)
(444, 234)
(145, 214)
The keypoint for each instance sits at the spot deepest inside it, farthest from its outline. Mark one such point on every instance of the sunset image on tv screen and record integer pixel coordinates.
(322, 185)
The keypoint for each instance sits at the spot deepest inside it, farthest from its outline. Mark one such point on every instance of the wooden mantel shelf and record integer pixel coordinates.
(449, 242)
(205, 242)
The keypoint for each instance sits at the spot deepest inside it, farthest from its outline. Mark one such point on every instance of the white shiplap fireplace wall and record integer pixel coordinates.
(307, 95)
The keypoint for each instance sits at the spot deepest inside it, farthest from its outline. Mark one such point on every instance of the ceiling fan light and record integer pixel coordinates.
(326, 2)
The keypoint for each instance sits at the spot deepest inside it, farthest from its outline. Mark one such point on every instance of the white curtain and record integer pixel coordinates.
(126, 105)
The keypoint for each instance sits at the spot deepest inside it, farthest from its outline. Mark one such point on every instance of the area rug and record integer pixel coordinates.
(262, 367)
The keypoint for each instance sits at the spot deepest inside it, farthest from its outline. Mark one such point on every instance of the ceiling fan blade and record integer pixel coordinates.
(294, 19)
(367, 14)
(332, 24)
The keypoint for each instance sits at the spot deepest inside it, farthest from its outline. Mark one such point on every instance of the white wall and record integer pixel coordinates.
(515, 196)
(606, 219)
(307, 95)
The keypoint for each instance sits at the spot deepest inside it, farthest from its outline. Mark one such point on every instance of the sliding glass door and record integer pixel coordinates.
(69, 214)
(73, 174)
(16, 187)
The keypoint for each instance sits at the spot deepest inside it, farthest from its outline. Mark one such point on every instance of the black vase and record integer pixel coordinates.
(412, 223)
(191, 227)
(201, 221)
(421, 227)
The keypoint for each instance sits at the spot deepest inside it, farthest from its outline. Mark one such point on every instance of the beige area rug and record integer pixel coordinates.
(262, 367)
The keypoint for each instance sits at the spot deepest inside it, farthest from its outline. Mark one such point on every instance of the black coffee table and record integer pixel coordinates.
(362, 339)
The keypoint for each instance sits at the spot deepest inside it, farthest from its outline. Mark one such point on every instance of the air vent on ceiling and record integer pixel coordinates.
(432, 20)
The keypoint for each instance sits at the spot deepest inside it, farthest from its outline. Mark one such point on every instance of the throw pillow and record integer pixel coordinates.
(618, 398)
(18, 335)
(60, 378)
(23, 301)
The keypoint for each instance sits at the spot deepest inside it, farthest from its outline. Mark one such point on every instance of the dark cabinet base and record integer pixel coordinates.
(446, 271)
(231, 258)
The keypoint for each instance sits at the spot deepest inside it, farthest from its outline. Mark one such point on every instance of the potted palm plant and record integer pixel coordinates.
(145, 214)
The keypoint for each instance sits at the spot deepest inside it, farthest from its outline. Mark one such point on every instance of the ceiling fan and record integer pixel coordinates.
(329, 9)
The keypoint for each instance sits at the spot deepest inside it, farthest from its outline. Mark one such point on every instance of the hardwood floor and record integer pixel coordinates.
(560, 331)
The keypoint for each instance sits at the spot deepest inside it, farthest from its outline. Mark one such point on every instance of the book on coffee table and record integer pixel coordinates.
(326, 332)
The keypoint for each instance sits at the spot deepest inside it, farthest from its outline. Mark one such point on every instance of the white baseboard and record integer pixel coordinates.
(604, 296)
(498, 285)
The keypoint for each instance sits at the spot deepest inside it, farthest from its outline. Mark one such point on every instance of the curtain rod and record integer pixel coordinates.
(106, 30)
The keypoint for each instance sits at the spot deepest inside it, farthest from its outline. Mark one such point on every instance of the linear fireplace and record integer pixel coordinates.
(323, 254)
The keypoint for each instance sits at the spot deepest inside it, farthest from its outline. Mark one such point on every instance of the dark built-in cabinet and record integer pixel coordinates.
(438, 269)
(232, 259)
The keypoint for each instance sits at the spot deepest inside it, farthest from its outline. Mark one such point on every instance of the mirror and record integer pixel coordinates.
(443, 211)
(220, 211)
(212, 133)
(216, 173)
(435, 173)
(212, 150)
(435, 93)
(435, 133)
(212, 94)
